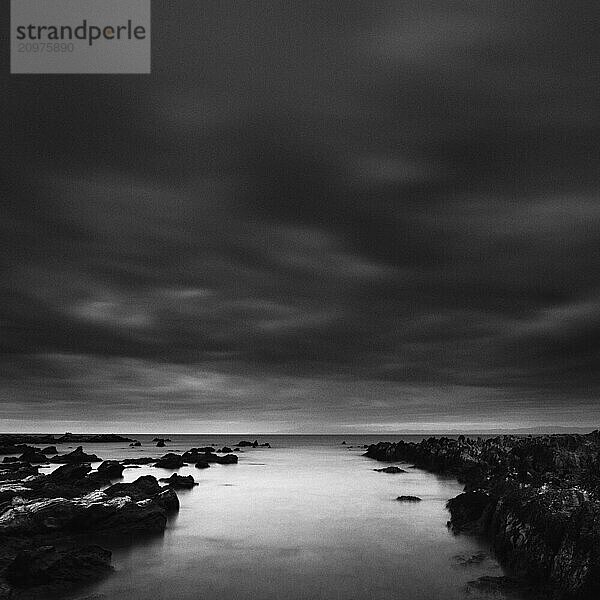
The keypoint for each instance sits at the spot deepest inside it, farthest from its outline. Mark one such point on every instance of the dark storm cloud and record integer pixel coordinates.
(395, 196)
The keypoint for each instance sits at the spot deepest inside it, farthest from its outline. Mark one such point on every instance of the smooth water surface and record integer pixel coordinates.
(307, 519)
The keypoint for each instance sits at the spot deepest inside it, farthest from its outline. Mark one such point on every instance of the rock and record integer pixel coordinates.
(157, 439)
(46, 565)
(167, 500)
(202, 465)
(135, 444)
(33, 456)
(344, 443)
(390, 470)
(170, 461)
(77, 456)
(91, 438)
(140, 489)
(467, 510)
(113, 469)
(225, 450)
(469, 560)
(10, 459)
(160, 444)
(408, 499)
(49, 450)
(254, 444)
(196, 456)
(180, 482)
(69, 473)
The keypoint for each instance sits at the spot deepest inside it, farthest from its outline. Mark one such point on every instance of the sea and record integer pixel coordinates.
(308, 518)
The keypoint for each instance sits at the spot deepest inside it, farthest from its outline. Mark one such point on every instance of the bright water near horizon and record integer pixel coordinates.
(307, 519)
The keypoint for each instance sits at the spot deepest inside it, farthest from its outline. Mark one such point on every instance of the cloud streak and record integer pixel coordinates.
(378, 198)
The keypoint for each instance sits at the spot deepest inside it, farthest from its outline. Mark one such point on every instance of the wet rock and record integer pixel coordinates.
(170, 461)
(33, 456)
(202, 465)
(113, 469)
(179, 481)
(463, 560)
(49, 450)
(135, 444)
(408, 499)
(225, 450)
(160, 444)
(254, 444)
(390, 470)
(140, 489)
(77, 456)
(167, 500)
(468, 510)
(46, 565)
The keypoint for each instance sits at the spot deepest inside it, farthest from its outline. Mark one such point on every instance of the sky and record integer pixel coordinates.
(311, 217)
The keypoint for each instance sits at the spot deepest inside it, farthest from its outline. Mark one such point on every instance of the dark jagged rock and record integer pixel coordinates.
(65, 507)
(254, 444)
(160, 444)
(167, 500)
(77, 456)
(179, 481)
(143, 487)
(135, 444)
(46, 565)
(202, 465)
(536, 498)
(170, 461)
(10, 459)
(33, 456)
(196, 455)
(225, 450)
(49, 450)
(408, 499)
(113, 469)
(390, 470)
(463, 560)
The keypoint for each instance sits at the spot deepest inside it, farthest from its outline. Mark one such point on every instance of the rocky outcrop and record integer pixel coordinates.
(254, 444)
(408, 499)
(113, 469)
(61, 509)
(198, 455)
(170, 461)
(390, 470)
(537, 499)
(180, 482)
(77, 456)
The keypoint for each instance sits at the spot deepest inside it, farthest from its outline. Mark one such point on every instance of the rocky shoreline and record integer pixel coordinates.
(535, 498)
(48, 520)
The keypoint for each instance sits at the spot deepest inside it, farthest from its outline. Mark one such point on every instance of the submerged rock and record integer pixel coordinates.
(390, 470)
(179, 481)
(408, 499)
(202, 465)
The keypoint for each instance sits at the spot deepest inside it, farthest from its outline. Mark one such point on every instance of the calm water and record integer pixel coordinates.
(307, 519)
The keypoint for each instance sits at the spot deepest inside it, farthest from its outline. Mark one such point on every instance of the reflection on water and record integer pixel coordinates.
(307, 519)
